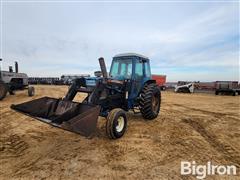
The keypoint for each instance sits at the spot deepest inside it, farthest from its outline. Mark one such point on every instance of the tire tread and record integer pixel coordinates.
(146, 101)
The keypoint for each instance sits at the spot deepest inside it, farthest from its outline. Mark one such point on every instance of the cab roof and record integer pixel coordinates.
(130, 54)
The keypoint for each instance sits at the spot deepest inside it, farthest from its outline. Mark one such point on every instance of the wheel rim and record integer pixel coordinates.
(155, 103)
(120, 124)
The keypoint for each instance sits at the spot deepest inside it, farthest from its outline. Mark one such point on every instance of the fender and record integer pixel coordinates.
(151, 81)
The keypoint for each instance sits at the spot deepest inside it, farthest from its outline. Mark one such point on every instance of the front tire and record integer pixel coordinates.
(116, 124)
(150, 101)
(3, 90)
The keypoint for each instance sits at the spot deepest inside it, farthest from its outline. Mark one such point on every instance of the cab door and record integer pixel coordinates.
(138, 75)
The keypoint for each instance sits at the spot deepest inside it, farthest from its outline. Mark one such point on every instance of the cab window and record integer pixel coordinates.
(121, 69)
(147, 70)
(139, 70)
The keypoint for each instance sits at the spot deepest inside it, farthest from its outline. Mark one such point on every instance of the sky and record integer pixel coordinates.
(193, 41)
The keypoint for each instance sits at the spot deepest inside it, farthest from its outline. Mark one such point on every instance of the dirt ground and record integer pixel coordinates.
(190, 127)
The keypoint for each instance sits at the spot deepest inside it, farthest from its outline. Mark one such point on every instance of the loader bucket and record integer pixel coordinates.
(76, 117)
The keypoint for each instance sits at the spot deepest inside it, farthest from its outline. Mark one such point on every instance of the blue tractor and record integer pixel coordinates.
(127, 87)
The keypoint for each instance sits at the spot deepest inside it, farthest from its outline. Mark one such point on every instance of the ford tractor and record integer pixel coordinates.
(128, 87)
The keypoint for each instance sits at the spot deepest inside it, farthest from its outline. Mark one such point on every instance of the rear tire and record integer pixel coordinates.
(31, 91)
(3, 90)
(150, 101)
(116, 124)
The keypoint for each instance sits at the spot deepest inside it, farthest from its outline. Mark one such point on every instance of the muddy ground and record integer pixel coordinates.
(190, 127)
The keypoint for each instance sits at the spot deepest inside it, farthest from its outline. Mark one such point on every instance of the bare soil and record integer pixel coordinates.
(190, 127)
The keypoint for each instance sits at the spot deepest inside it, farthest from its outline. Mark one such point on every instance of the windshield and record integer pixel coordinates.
(121, 69)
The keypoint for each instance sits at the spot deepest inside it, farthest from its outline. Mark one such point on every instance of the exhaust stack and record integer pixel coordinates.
(103, 67)
(16, 66)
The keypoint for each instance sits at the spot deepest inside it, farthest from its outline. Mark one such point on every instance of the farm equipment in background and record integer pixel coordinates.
(12, 81)
(185, 88)
(45, 80)
(68, 79)
(160, 81)
(128, 86)
(227, 87)
(64, 80)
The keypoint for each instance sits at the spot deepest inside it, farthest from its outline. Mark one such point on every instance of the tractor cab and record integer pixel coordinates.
(132, 67)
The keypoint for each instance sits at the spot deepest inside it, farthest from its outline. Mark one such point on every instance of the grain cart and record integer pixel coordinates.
(12, 81)
(127, 87)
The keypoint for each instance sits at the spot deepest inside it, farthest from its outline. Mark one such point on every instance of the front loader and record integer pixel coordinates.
(127, 87)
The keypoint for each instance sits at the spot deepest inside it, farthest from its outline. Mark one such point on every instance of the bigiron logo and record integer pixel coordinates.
(202, 171)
